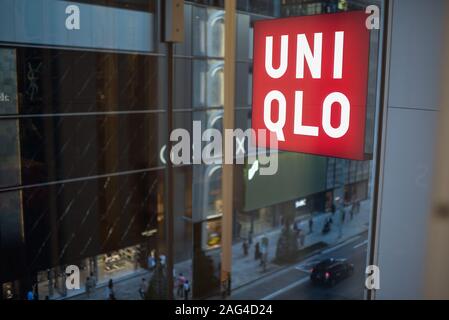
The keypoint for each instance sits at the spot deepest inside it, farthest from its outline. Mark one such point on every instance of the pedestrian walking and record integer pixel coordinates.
(163, 259)
(238, 229)
(186, 290)
(265, 241)
(110, 290)
(35, 292)
(257, 251)
(357, 208)
(180, 284)
(327, 226)
(151, 260)
(30, 295)
(93, 280)
(250, 237)
(88, 287)
(262, 254)
(352, 211)
(143, 288)
(264, 257)
(245, 248)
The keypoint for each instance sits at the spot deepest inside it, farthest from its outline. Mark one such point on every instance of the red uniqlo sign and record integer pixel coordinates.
(310, 83)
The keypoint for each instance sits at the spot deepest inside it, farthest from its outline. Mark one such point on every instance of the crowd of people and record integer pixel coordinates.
(260, 250)
(182, 287)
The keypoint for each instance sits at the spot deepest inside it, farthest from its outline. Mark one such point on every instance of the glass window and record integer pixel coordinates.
(311, 202)
(199, 29)
(82, 123)
(83, 150)
(215, 33)
(208, 89)
(11, 236)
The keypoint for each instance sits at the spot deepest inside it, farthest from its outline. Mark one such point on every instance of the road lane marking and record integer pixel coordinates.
(307, 265)
(341, 245)
(303, 269)
(279, 292)
(361, 244)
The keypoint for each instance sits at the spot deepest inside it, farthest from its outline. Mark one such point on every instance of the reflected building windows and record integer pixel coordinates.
(12, 238)
(10, 174)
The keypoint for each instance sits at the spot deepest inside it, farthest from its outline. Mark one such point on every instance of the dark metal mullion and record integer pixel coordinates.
(370, 294)
(169, 218)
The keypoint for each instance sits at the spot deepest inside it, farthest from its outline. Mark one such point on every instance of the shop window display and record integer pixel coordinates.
(213, 234)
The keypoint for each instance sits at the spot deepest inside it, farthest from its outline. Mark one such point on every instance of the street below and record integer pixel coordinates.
(293, 283)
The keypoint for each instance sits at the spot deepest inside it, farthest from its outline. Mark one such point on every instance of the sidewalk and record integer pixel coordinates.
(246, 269)
(126, 288)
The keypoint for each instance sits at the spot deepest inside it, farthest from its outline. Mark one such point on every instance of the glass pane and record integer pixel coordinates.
(208, 90)
(11, 236)
(8, 81)
(199, 29)
(103, 215)
(9, 153)
(312, 204)
(215, 33)
(83, 98)
(83, 150)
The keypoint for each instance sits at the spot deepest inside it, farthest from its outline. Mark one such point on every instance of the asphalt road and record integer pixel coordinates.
(293, 282)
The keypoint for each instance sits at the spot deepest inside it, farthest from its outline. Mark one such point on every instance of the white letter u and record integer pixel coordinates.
(273, 72)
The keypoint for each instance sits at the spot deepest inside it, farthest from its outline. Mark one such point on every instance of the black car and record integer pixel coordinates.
(331, 271)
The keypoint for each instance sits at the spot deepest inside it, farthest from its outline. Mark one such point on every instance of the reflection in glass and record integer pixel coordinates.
(199, 21)
(215, 33)
(9, 153)
(208, 83)
(8, 81)
(11, 236)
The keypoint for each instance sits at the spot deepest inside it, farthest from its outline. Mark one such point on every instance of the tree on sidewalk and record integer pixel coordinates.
(287, 245)
(157, 287)
(206, 280)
